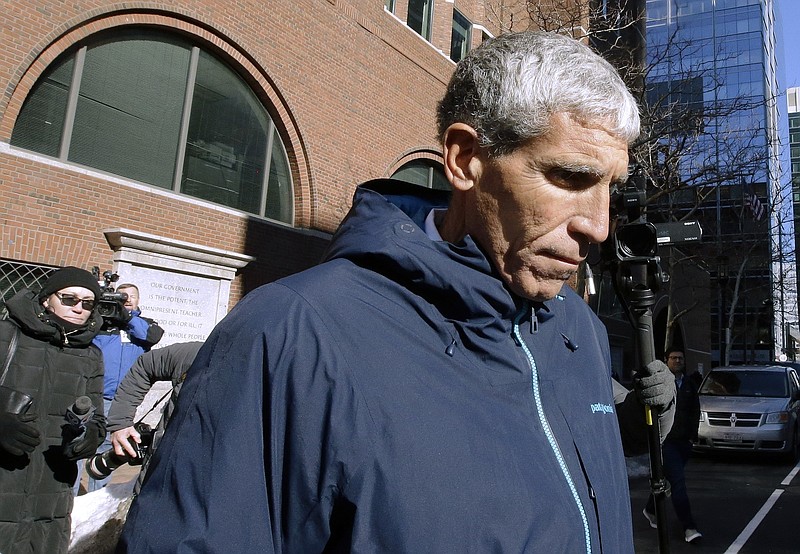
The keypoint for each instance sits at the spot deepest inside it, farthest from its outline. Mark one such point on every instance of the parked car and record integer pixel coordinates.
(750, 409)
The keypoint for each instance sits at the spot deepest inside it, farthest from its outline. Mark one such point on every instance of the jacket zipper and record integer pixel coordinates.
(551, 439)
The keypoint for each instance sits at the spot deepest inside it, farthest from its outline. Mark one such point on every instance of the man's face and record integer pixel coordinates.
(536, 211)
(57, 302)
(132, 303)
(675, 362)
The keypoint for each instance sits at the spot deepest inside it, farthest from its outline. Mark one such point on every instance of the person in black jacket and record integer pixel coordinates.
(677, 447)
(54, 362)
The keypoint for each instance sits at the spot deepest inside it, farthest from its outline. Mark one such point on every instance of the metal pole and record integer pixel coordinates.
(641, 300)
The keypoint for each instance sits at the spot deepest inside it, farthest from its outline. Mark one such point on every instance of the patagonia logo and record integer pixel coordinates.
(604, 408)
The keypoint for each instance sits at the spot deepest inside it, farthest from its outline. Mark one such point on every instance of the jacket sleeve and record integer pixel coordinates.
(253, 427)
(133, 388)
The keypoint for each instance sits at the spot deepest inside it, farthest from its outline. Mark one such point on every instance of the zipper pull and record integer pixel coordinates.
(568, 342)
(534, 321)
(451, 349)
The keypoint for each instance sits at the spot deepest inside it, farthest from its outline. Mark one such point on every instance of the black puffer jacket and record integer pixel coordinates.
(55, 368)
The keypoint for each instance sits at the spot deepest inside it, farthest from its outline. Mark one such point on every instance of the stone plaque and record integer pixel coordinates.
(185, 306)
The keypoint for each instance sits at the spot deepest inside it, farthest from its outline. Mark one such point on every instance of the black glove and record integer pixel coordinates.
(17, 435)
(123, 316)
(85, 446)
(655, 386)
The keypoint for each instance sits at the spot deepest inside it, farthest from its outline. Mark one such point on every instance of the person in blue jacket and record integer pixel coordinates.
(434, 385)
(122, 340)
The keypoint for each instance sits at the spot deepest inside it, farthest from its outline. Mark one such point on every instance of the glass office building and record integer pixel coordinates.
(717, 59)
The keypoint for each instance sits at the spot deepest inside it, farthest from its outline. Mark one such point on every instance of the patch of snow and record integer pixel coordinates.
(638, 466)
(97, 518)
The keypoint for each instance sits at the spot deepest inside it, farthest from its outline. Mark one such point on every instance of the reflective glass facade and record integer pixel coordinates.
(719, 57)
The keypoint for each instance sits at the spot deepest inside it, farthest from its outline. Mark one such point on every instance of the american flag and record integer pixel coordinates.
(754, 203)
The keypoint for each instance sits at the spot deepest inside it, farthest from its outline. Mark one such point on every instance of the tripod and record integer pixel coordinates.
(635, 279)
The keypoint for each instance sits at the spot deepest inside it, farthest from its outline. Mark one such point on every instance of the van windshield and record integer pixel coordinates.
(746, 383)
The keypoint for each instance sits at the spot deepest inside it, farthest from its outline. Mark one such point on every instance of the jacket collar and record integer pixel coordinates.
(384, 231)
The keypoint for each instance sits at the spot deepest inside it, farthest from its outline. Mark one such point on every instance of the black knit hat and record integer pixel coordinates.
(70, 277)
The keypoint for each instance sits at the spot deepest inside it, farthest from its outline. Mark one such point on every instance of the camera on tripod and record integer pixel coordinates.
(634, 238)
(101, 465)
(631, 250)
(111, 305)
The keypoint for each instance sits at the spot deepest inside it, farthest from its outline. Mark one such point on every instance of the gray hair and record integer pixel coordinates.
(509, 87)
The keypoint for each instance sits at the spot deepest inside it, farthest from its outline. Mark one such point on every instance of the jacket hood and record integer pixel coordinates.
(384, 231)
(33, 319)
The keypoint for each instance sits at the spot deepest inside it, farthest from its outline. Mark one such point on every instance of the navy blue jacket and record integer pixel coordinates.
(396, 398)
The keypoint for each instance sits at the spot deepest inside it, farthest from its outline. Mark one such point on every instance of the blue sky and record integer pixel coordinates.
(788, 32)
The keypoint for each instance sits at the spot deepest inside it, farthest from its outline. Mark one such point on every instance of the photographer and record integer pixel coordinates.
(169, 363)
(57, 366)
(125, 336)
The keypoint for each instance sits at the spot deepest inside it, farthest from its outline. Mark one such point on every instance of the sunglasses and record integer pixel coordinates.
(70, 300)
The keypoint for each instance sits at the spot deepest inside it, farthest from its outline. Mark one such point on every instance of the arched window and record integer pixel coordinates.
(154, 107)
(423, 172)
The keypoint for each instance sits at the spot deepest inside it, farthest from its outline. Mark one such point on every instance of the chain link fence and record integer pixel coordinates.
(15, 276)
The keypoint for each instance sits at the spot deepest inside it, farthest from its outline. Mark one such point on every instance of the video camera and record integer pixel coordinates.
(101, 465)
(630, 253)
(634, 240)
(111, 304)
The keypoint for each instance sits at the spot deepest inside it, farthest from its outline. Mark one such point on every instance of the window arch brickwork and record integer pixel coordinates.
(434, 155)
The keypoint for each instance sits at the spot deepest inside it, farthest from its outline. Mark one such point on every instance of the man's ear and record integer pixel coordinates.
(462, 162)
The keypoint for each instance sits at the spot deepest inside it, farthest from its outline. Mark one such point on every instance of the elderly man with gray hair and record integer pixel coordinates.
(434, 385)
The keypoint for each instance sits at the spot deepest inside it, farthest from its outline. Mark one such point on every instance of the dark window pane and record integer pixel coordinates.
(419, 17)
(413, 173)
(41, 120)
(227, 141)
(15, 276)
(439, 179)
(459, 39)
(279, 190)
(425, 173)
(129, 109)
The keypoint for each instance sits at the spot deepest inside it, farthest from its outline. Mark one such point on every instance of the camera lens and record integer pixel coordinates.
(101, 465)
(636, 240)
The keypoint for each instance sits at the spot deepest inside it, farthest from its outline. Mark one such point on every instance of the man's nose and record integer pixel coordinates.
(592, 219)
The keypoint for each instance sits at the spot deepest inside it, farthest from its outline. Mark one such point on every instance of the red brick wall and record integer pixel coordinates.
(352, 90)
